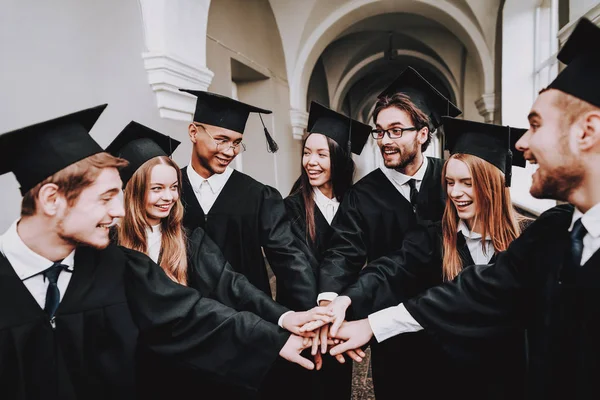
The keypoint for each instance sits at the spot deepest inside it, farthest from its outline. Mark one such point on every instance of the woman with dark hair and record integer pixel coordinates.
(327, 172)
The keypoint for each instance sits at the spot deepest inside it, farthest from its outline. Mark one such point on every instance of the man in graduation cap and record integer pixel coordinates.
(548, 281)
(73, 308)
(241, 215)
(383, 205)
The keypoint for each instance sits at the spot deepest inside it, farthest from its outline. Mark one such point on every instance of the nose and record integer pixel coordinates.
(117, 210)
(523, 143)
(385, 140)
(455, 191)
(167, 195)
(312, 159)
(228, 150)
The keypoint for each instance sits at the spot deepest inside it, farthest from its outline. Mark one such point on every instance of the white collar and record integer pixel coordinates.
(590, 220)
(401, 178)
(215, 181)
(154, 229)
(25, 261)
(322, 199)
(464, 229)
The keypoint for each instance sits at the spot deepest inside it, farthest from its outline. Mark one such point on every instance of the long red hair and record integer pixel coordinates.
(495, 215)
(132, 230)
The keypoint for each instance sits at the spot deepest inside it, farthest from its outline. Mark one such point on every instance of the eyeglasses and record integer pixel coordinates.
(225, 144)
(393, 133)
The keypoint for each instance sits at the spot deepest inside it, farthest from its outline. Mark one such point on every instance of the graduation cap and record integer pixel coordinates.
(38, 151)
(581, 53)
(225, 112)
(495, 144)
(350, 134)
(422, 93)
(137, 144)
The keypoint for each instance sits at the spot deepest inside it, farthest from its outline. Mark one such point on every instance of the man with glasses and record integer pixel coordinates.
(240, 214)
(378, 210)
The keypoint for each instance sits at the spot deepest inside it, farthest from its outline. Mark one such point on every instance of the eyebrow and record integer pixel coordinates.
(392, 124)
(460, 180)
(161, 184)
(319, 149)
(112, 191)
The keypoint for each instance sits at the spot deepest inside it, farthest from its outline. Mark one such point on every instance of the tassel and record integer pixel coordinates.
(508, 173)
(272, 146)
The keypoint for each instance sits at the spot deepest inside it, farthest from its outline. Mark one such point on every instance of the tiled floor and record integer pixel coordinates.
(362, 382)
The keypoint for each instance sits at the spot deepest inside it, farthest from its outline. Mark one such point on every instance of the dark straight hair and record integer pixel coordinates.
(342, 172)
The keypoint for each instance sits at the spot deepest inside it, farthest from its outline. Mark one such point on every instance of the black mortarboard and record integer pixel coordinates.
(494, 143)
(581, 53)
(225, 112)
(137, 144)
(38, 151)
(422, 93)
(350, 134)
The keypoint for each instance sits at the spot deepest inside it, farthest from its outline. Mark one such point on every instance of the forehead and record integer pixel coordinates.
(316, 141)
(392, 115)
(457, 169)
(223, 132)
(546, 104)
(162, 172)
(107, 180)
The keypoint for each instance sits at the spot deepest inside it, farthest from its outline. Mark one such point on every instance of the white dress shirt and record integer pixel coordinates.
(395, 320)
(400, 181)
(154, 240)
(327, 206)
(207, 190)
(479, 254)
(29, 265)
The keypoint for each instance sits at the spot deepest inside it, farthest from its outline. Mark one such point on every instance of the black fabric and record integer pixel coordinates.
(117, 300)
(414, 193)
(53, 293)
(524, 289)
(334, 380)
(581, 53)
(38, 151)
(242, 230)
(371, 223)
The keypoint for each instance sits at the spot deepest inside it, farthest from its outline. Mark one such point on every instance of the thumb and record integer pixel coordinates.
(335, 327)
(304, 362)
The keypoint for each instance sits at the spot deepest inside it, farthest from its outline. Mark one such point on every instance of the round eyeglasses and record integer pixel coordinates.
(225, 144)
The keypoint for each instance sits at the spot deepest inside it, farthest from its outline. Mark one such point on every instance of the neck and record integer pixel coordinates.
(199, 168)
(473, 225)
(412, 168)
(327, 190)
(39, 234)
(587, 195)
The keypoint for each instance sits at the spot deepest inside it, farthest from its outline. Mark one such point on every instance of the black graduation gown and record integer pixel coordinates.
(334, 380)
(527, 287)
(371, 223)
(119, 299)
(213, 277)
(246, 218)
(413, 269)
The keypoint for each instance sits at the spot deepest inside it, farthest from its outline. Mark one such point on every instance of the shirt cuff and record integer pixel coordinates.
(327, 296)
(280, 320)
(391, 322)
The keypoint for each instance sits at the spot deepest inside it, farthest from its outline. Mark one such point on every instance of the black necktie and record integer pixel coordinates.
(577, 234)
(53, 294)
(413, 193)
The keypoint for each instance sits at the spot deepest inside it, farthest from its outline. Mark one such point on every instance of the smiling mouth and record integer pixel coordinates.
(223, 161)
(313, 173)
(389, 151)
(107, 226)
(163, 207)
(463, 203)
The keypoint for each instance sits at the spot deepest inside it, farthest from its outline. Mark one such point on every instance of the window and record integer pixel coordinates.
(546, 44)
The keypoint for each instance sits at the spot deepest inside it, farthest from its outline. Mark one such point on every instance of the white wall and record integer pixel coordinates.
(65, 55)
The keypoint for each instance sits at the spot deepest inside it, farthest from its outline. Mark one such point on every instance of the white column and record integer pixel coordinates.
(486, 105)
(299, 120)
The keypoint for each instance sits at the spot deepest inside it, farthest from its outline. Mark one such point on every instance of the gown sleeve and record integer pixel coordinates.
(194, 332)
(400, 275)
(209, 272)
(288, 262)
(347, 251)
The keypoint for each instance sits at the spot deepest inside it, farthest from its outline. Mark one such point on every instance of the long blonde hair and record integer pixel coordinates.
(495, 215)
(132, 230)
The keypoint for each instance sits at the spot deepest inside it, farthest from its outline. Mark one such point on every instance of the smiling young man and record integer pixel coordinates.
(382, 206)
(74, 309)
(241, 215)
(548, 281)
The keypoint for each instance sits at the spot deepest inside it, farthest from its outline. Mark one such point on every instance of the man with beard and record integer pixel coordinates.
(241, 215)
(382, 206)
(73, 308)
(548, 280)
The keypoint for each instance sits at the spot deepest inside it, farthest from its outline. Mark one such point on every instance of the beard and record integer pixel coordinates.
(558, 183)
(406, 156)
(77, 239)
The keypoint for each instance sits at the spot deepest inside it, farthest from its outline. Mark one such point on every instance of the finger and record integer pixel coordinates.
(360, 352)
(318, 361)
(340, 358)
(306, 342)
(304, 362)
(354, 355)
(343, 347)
(315, 345)
(311, 326)
(323, 338)
(336, 326)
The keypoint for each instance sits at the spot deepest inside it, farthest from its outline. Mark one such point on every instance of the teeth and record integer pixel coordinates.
(463, 203)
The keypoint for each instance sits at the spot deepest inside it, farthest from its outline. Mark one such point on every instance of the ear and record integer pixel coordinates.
(423, 134)
(49, 199)
(589, 136)
(192, 131)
